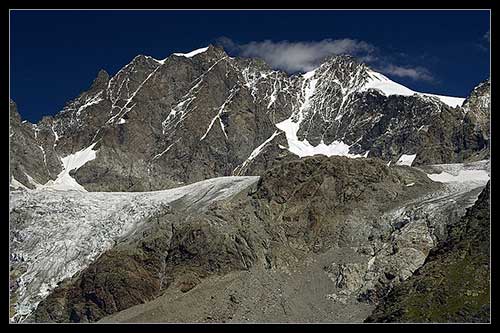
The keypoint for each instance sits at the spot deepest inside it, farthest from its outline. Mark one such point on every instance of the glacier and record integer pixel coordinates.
(56, 234)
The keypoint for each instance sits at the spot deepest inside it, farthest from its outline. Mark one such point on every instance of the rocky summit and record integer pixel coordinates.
(209, 188)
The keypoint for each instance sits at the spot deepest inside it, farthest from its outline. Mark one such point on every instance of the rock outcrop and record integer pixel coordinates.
(32, 158)
(454, 283)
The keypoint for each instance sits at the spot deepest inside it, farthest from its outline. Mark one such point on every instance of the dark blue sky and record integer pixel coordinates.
(55, 55)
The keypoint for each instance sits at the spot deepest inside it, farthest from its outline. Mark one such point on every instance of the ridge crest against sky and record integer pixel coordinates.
(55, 55)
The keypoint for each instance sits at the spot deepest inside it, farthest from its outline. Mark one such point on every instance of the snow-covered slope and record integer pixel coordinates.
(291, 126)
(475, 173)
(388, 87)
(64, 180)
(71, 162)
(192, 53)
(303, 148)
(329, 107)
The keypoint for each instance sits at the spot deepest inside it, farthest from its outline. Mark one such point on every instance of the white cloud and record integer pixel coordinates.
(487, 36)
(414, 73)
(298, 56)
(304, 56)
(485, 41)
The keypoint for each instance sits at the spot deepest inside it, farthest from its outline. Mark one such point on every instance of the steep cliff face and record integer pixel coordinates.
(31, 159)
(335, 222)
(454, 283)
(477, 121)
(477, 106)
(160, 123)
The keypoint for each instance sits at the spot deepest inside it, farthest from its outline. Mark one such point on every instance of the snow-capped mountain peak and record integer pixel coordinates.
(214, 106)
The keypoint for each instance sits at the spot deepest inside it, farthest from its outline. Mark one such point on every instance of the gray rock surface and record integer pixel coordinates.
(32, 156)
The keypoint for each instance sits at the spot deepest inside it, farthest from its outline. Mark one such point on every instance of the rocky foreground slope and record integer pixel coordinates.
(317, 239)
(189, 117)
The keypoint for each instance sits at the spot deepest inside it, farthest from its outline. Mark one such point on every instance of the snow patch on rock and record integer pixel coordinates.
(406, 159)
(17, 184)
(71, 162)
(304, 148)
(290, 126)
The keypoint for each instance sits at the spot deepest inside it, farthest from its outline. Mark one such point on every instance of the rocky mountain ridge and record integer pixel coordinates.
(160, 123)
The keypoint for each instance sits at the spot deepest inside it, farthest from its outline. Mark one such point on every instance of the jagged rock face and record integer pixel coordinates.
(478, 106)
(329, 95)
(476, 127)
(31, 152)
(454, 283)
(341, 105)
(463, 135)
(160, 123)
(342, 216)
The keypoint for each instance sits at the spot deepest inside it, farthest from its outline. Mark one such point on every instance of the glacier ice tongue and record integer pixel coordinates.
(56, 234)
(461, 173)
